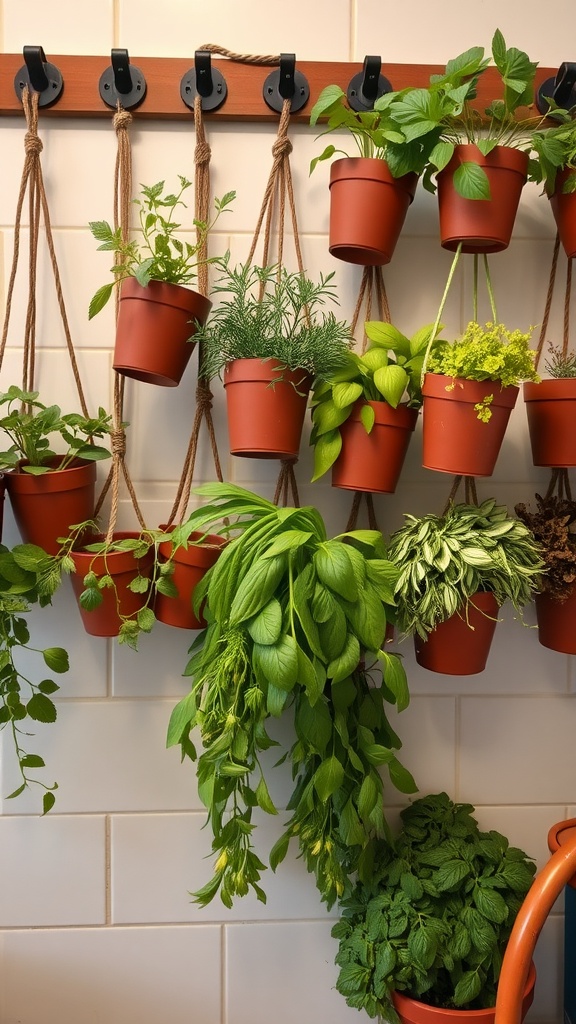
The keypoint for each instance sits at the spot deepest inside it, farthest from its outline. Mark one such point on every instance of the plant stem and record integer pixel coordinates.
(475, 290)
(490, 290)
(440, 311)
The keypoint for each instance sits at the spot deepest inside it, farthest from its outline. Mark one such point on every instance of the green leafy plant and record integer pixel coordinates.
(159, 255)
(434, 919)
(390, 368)
(553, 526)
(485, 352)
(560, 364)
(273, 314)
(29, 425)
(22, 699)
(296, 624)
(444, 560)
(554, 149)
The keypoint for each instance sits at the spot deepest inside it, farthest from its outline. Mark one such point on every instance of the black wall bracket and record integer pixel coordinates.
(561, 89)
(286, 84)
(123, 82)
(367, 86)
(40, 76)
(205, 81)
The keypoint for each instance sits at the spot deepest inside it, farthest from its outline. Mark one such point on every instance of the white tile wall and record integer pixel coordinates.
(95, 918)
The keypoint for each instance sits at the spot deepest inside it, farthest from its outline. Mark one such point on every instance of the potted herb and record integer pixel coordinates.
(369, 194)
(551, 411)
(479, 163)
(270, 338)
(361, 424)
(427, 931)
(470, 388)
(553, 526)
(22, 700)
(158, 312)
(296, 623)
(49, 491)
(554, 166)
(455, 572)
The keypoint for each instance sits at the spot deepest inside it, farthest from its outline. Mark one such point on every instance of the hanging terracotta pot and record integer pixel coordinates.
(454, 439)
(481, 225)
(190, 565)
(557, 622)
(367, 210)
(46, 506)
(564, 209)
(118, 600)
(373, 462)
(560, 833)
(266, 404)
(411, 1011)
(460, 645)
(551, 412)
(153, 328)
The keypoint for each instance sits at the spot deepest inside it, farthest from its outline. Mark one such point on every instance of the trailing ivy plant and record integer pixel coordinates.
(444, 560)
(434, 919)
(23, 699)
(389, 369)
(296, 625)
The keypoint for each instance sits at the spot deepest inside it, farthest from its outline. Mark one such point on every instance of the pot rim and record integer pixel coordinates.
(552, 389)
(373, 169)
(472, 391)
(165, 293)
(403, 416)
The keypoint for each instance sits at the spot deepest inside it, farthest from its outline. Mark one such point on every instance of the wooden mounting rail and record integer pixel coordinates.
(81, 74)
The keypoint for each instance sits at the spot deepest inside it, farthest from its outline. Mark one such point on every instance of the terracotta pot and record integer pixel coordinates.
(482, 225)
(46, 506)
(190, 565)
(454, 439)
(460, 645)
(411, 1011)
(557, 622)
(564, 209)
(266, 405)
(372, 462)
(551, 412)
(153, 328)
(560, 833)
(367, 210)
(117, 600)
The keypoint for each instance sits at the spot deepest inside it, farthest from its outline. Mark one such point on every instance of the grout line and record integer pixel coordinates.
(108, 869)
(223, 975)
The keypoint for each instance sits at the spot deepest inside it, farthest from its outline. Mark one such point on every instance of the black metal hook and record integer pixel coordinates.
(561, 89)
(367, 86)
(286, 83)
(123, 82)
(40, 76)
(205, 81)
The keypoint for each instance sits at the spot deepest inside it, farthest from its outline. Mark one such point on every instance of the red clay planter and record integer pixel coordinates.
(411, 1011)
(367, 210)
(460, 646)
(557, 622)
(373, 462)
(266, 404)
(551, 412)
(190, 565)
(118, 601)
(46, 506)
(454, 439)
(482, 225)
(564, 209)
(154, 325)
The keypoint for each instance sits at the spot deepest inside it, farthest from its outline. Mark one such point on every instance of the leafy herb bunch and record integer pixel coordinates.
(22, 699)
(553, 526)
(560, 365)
(444, 560)
(390, 367)
(159, 255)
(293, 618)
(434, 920)
(555, 150)
(273, 313)
(29, 425)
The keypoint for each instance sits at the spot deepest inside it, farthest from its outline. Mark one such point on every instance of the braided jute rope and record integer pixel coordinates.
(33, 181)
(242, 58)
(355, 510)
(286, 484)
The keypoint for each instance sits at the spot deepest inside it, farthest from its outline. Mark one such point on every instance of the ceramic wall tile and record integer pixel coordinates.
(427, 729)
(66, 33)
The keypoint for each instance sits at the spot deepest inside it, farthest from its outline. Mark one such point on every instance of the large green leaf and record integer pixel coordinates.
(471, 181)
(335, 569)
(257, 588)
(328, 777)
(278, 662)
(391, 382)
(265, 628)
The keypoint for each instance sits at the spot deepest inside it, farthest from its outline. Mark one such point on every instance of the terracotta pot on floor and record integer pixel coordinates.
(373, 462)
(118, 600)
(190, 565)
(563, 206)
(266, 405)
(460, 645)
(411, 1011)
(367, 210)
(557, 622)
(551, 412)
(46, 506)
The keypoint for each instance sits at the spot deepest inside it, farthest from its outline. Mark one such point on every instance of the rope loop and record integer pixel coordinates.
(282, 147)
(33, 144)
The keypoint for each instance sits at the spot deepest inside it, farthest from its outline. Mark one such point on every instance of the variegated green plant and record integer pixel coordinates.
(444, 560)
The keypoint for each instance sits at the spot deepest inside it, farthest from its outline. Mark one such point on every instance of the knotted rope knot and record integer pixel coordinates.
(118, 439)
(202, 153)
(282, 147)
(203, 397)
(122, 120)
(32, 143)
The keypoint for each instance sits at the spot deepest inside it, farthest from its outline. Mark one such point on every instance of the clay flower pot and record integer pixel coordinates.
(46, 506)
(482, 225)
(266, 404)
(190, 565)
(367, 210)
(153, 328)
(411, 1011)
(460, 645)
(551, 412)
(557, 622)
(105, 620)
(454, 439)
(563, 206)
(373, 462)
